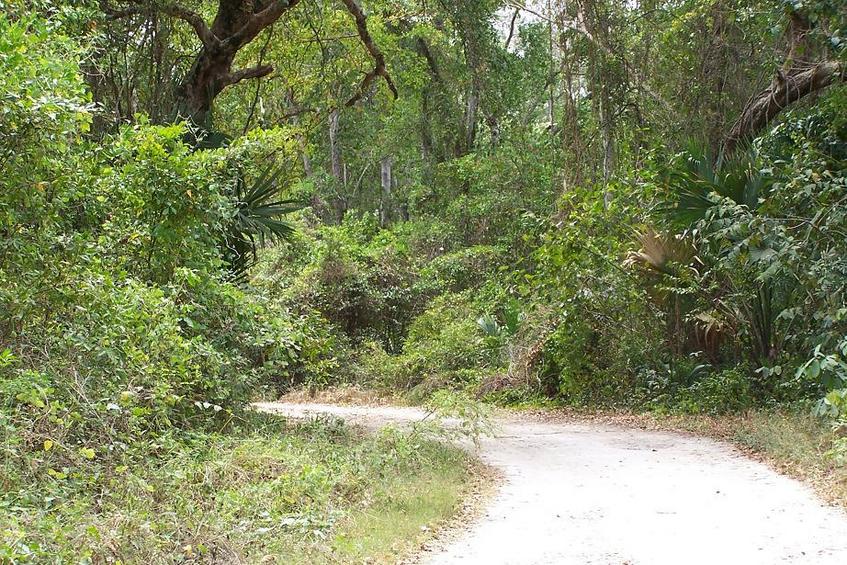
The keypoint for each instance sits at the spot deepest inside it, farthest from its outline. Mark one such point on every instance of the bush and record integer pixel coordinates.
(444, 348)
(428, 237)
(718, 392)
(454, 272)
(115, 320)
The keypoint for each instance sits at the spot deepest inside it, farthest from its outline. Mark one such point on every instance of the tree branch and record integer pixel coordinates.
(245, 74)
(512, 29)
(258, 22)
(424, 50)
(117, 14)
(797, 78)
(193, 19)
(379, 59)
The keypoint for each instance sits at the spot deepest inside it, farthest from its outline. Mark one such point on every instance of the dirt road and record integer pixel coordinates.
(594, 494)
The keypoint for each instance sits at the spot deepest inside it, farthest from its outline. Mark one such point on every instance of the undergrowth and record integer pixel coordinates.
(262, 491)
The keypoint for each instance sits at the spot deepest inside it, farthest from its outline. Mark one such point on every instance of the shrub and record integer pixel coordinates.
(454, 272)
(444, 348)
(726, 390)
(115, 321)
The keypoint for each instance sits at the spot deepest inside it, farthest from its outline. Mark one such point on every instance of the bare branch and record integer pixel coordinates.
(245, 74)
(193, 19)
(512, 28)
(379, 59)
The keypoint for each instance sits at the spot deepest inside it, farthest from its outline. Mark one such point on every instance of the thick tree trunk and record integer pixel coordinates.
(206, 79)
(786, 89)
(236, 24)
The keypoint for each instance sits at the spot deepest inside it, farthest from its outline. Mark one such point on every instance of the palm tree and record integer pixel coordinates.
(258, 219)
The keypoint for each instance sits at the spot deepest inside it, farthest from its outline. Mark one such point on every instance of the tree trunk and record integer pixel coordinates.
(336, 165)
(386, 180)
(205, 80)
(426, 130)
(609, 154)
(470, 119)
(786, 89)
(334, 147)
(236, 24)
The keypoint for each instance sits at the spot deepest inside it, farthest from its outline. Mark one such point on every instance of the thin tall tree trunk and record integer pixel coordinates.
(386, 180)
(301, 138)
(336, 165)
(470, 118)
(609, 153)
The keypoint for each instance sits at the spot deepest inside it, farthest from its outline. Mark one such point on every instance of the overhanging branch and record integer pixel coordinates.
(245, 74)
(797, 78)
(135, 7)
(379, 69)
(786, 89)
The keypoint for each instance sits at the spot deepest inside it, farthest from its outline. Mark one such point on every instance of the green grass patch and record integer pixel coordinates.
(269, 492)
(406, 510)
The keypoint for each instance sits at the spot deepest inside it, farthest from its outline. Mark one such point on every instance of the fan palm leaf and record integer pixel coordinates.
(258, 219)
(694, 183)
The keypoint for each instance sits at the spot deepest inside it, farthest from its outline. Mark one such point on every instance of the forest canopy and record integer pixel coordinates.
(597, 203)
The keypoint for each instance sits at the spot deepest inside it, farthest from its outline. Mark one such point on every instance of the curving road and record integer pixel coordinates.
(593, 494)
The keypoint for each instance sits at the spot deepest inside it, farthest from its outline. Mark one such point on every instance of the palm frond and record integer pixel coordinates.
(659, 252)
(696, 181)
(489, 326)
(258, 220)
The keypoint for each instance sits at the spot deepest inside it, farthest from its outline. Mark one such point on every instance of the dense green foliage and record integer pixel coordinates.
(575, 203)
(123, 344)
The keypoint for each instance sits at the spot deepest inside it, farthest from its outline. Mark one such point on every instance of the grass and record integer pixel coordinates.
(318, 492)
(406, 512)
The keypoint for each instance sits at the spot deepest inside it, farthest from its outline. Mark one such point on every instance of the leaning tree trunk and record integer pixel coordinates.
(786, 89)
(798, 78)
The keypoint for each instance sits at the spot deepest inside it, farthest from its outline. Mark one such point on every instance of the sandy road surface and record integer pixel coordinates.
(593, 494)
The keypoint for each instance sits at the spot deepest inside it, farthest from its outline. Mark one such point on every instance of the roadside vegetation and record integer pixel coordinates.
(130, 353)
(797, 443)
(260, 491)
(590, 204)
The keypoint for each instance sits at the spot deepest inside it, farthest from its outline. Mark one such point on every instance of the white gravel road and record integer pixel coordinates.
(580, 494)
